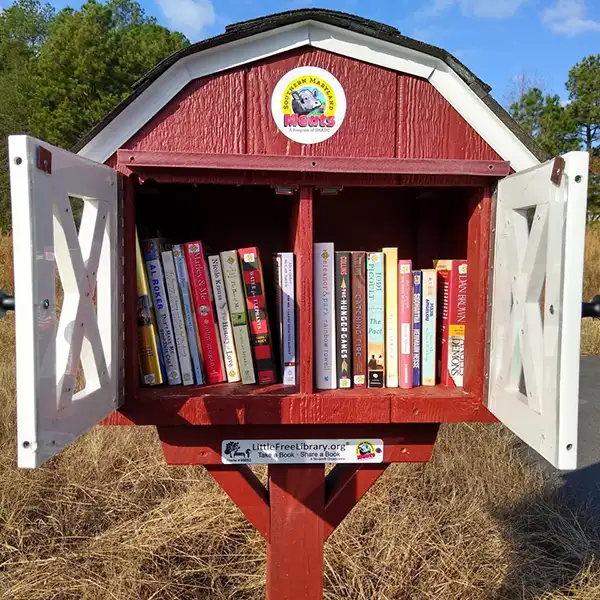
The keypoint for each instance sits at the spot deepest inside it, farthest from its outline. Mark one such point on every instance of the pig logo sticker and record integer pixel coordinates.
(308, 105)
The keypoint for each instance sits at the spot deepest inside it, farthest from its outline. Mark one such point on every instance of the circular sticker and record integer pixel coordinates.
(308, 105)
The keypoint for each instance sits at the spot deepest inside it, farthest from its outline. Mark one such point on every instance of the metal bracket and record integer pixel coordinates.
(557, 170)
(591, 309)
(44, 160)
(6, 303)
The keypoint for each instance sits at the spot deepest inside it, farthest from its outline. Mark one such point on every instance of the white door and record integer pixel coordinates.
(536, 305)
(49, 254)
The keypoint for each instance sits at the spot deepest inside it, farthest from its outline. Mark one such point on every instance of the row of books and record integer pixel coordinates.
(203, 319)
(380, 324)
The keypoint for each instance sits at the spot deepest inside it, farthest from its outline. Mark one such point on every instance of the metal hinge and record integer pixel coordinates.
(557, 170)
(44, 160)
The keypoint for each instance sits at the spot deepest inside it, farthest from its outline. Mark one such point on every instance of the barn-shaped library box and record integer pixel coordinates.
(300, 128)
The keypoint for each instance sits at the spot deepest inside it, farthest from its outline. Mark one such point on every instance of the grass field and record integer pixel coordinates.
(107, 520)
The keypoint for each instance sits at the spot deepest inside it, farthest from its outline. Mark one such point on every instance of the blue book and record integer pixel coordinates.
(188, 311)
(417, 275)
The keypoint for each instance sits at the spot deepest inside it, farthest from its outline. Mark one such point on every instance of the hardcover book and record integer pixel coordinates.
(239, 316)
(359, 316)
(417, 278)
(452, 299)
(283, 264)
(428, 326)
(149, 356)
(257, 310)
(214, 368)
(188, 312)
(375, 316)
(151, 249)
(177, 317)
(405, 318)
(343, 326)
(324, 331)
(390, 256)
(224, 320)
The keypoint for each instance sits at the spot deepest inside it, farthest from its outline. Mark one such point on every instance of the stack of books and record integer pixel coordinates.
(202, 319)
(379, 323)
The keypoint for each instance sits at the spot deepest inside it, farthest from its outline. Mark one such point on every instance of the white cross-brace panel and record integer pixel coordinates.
(536, 305)
(49, 414)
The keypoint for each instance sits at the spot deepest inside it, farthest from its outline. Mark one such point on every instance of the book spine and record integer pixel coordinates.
(325, 338)
(390, 256)
(225, 328)
(417, 277)
(205, 318)
(343, 326)
(428, 327)
(259, 320)
(359, 313)
(277, 280)
(181, 338)
(151, 251)
(239, 316)
(443, 314)
(452, 370)
(405, 318)
(149, 356)
(288, 303)
(188, 311)
(375, 315)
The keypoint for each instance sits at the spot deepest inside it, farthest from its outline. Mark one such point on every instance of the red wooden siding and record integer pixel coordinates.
(389, 115)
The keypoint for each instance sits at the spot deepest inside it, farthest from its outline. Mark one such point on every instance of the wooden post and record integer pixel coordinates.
(295, 546)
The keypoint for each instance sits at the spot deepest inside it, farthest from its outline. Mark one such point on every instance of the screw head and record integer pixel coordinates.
(578, 178)
(46, 304)
(551, 309)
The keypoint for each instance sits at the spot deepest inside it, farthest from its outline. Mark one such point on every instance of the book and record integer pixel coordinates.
(214, 368)
(257, 309)
(428, 326)
(232, 369)
(188, 312)
(359, 315)
(452, 315)
(376, 318)
(239, 316)
(324, 325)
(417, 277)
(179, 328)
(151, 249)
(283, 264)
(405, 320)
(343, 294)
(390, 258)
(149, 356)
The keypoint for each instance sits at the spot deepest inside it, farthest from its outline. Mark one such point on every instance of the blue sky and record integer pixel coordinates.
(500, 40)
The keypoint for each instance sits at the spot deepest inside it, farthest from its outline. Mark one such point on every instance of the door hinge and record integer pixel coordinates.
(44, 160)
(557, 170)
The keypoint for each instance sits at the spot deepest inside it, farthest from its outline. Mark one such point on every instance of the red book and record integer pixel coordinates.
(203, 305)
(359, 317)
(452, 300)
(257, 311)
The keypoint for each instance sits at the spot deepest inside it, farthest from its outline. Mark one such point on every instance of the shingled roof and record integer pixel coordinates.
(375, 29)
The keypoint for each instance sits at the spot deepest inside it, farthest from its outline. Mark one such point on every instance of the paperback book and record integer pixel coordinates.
(390, 256)
(285, 295)
(343, 327)
(417, 278)
(376, 318)
(428, 326)
(405, 317)
(359, 316)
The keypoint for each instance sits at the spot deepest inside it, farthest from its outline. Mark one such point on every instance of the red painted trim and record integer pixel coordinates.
(202, 445)
(247, 492)
(326, 164)
(295, 548)
(345, 486)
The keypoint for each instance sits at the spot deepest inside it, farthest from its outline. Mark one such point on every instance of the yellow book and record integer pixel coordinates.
(150, 371)
(391, 316)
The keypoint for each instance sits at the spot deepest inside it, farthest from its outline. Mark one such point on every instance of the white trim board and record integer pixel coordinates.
(326, 37)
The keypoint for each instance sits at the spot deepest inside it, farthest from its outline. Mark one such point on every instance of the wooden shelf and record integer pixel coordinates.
(233, 404)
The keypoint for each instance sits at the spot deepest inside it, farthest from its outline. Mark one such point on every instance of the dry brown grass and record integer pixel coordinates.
(590, 339)
(107, 520)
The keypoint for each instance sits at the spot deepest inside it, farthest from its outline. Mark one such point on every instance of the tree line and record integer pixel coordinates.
(61, 72)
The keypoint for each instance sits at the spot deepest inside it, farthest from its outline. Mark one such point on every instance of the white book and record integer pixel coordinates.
(177, 317)
(286, 303)
(324, 298)
(236, 300)
(224, 319)
(161, 307)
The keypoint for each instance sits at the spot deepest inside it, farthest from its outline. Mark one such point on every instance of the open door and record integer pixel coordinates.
(535, 325)
(68, 295)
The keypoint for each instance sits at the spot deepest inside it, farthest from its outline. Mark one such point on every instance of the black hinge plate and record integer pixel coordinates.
(44, 160)
(557, 170)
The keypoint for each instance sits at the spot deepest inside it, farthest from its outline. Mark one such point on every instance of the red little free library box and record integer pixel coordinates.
(217, 144)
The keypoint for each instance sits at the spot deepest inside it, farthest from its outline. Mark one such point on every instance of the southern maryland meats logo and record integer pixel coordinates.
(308, 105)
